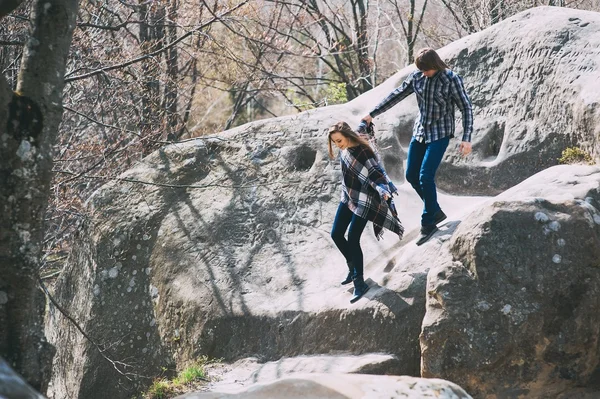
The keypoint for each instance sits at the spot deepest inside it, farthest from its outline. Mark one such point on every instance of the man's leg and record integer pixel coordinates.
(414, 159)
(431, 161)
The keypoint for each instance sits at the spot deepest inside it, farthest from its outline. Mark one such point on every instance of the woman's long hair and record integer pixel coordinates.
(427, 59)
(345, 130)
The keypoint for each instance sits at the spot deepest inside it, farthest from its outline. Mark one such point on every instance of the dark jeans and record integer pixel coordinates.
(421, 166)
(349, 248)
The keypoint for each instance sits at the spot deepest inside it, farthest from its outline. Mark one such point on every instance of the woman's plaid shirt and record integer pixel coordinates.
(363, 187)
(436, 96)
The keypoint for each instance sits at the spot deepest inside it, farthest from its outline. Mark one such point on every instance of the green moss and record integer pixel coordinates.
(575, 155)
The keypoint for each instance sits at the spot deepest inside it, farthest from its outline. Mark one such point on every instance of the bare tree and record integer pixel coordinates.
(131, 80)
(30, 121)
(410, 20)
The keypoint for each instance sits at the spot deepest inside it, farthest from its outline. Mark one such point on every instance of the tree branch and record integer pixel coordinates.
(154, 53)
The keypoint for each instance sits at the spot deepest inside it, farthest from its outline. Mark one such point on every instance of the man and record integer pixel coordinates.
(438, 91)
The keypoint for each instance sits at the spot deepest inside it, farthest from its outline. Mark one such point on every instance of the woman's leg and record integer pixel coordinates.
(343, 217)
(357, 226)
(431, 161)
(414, 159)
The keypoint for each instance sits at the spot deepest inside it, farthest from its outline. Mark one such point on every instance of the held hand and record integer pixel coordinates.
(386, 197)
(367, 119)
(465, 148)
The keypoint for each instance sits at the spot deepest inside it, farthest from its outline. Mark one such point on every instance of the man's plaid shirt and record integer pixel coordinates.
(363, 188)
(436, 96)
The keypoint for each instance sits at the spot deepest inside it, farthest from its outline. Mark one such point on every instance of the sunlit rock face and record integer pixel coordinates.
(226, 253)
(517, 311)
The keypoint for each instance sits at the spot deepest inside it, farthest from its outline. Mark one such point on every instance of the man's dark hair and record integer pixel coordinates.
(427, 59)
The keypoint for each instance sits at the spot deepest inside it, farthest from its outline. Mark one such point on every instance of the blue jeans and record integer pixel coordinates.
(421, 166)
(349, 248)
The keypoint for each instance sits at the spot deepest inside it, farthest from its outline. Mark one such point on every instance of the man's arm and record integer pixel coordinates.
(461, 99)
(392, 99)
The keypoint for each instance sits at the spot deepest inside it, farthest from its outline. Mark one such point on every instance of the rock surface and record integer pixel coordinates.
(344, 386)
(245, 372)
(12, 385)
(164, 275)
(517, 310)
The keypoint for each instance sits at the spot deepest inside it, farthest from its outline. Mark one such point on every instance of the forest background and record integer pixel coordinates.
(143, 74)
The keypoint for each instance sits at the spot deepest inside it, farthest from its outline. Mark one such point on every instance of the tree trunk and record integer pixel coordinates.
(152, 37)
(29, 125)
(172, 61)
(362, 32)
(495, 8)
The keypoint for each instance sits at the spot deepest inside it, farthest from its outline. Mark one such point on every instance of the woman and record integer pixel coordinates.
(366, 195)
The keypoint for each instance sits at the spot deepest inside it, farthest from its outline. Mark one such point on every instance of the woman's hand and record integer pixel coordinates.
(465, 148)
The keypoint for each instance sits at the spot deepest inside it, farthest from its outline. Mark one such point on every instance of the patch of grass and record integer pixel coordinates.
(189, 379)
(160, 389)
(575, 155)
(193, 373)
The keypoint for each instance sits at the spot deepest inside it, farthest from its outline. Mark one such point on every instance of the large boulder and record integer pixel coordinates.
(221, 247)
(343, 386)
(515, 311)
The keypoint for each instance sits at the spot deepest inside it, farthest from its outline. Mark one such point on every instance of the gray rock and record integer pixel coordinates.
(517, 312)
(232, 377)
(344, 386)
(239, 264)
(12, 385)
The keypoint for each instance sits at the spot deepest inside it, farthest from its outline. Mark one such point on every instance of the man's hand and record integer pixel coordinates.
(367, 119)
(465, 148)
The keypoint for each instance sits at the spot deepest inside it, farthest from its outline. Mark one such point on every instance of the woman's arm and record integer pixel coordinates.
(372, 174)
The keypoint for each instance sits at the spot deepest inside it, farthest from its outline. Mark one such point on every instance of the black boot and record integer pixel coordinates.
(360, 288)
(350, 275)
(426, 233)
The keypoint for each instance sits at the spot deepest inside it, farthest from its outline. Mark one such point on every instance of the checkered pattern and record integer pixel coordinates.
(368, 133)
(363, 187)
(437, 97)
